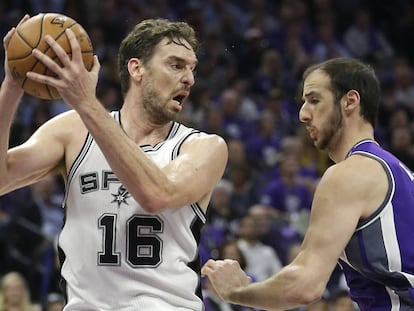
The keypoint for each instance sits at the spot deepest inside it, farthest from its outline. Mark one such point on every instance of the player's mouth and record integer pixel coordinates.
(311, 131)
(181, 97)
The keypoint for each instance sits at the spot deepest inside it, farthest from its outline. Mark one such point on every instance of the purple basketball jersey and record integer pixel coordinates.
(378, 261)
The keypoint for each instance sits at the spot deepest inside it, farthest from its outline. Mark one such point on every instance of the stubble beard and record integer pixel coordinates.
(155, 106)
(333, 130)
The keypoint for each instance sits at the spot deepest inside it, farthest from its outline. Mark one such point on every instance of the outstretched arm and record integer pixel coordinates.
(340, 200)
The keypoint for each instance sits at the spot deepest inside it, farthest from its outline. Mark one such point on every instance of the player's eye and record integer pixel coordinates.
(177, 66)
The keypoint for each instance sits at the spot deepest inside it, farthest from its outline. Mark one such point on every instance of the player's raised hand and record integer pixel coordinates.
(226, 276)
(74, 82)
(6, 40)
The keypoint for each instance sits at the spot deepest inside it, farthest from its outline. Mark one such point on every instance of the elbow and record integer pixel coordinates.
(310, 295)
(152, 208)
(156, 200)
(305, 287)
(154, 204)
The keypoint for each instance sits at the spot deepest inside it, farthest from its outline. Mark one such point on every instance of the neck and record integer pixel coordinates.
(349, 138)
(139, 128)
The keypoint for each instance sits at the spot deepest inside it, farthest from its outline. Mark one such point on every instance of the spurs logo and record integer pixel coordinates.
(121, 196)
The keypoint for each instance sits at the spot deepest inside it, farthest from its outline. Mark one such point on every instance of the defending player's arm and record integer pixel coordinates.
(340, 200)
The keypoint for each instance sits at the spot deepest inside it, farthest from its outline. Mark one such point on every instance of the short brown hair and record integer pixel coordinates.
(143, 38)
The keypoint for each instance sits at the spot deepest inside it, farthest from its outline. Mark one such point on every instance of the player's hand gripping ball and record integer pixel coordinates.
(30, 35)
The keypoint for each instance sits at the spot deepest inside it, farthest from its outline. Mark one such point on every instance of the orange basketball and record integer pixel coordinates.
(30, 35)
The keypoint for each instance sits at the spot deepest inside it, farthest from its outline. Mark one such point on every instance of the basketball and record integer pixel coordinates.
(30, 35)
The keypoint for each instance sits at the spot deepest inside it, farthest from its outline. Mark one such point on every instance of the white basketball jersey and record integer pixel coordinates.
(116, 256)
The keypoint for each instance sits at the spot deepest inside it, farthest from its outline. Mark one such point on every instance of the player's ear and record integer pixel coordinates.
(135, 68)
(351, 101)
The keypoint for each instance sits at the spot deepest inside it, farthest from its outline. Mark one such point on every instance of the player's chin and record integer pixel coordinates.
(176, 106)
(171, 115)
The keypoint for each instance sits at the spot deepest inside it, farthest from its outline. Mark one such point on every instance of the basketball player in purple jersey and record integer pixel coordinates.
(362, 212)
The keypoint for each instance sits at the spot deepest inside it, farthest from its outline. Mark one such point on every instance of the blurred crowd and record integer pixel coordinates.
(247, 89)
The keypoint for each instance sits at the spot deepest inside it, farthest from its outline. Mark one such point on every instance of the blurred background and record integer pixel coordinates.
(251, 59)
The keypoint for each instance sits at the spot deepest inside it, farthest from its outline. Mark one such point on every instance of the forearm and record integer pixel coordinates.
(10, 96)
(286, 290)
(143, 179)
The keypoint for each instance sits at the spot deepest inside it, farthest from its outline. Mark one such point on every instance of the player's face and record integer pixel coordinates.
(321, 114)
(168, 79)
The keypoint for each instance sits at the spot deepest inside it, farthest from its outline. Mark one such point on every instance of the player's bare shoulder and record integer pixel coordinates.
(67, 127)
(208, 153)
(67, 130)
(360, 181)
(366, 168)
(353, 167)
(210, 144)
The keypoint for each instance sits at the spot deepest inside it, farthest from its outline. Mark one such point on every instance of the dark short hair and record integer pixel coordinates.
(351, 74)
(230, 242)
(143, 38)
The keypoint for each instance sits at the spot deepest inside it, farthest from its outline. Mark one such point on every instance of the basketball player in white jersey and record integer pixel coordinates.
(137, 182)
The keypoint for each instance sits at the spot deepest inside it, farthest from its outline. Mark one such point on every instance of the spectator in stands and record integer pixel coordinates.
(14, 294)
(251, 51)
(263, 147)
(220, 213)
(261, 260)
(284, 109)
(288, 194)
(364, 40)
(245, 189)
(230, 249)
(327, 44)
(227, 249)
(213, 121)
(54, 302)
(404, 83)
(221, 223)
(275, 230)
(234, 125)
(269, 75)
(237, 155)
(401, 144)
(195, 111)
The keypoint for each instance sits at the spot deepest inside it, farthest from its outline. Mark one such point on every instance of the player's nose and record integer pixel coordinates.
(304, 113)
(188, 77)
